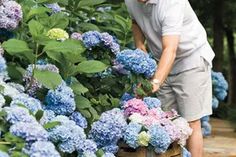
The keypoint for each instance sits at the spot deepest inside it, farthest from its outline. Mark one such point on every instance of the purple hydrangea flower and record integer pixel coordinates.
(54, 6)
(10, 14)
(76, 36)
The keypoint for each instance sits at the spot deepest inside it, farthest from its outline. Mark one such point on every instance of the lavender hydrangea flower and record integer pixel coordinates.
(34, 85)
(119, 68)
(160, 139)
(30, 132)
(109, 128)
(137, 61)
(76, 36)
(110, 42)
(171, 129)
(17, 114)
(152, 102)
(54, 6)
(79, 119)
(61, 100)
(31, 103)
(43, 149)
(131, 134)
(10, 14)
(91, 39)
(3, 154)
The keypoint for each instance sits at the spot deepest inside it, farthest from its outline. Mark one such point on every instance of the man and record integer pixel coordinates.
(179, 43)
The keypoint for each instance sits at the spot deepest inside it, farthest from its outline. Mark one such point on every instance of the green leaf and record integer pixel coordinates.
(51, 125)
(39, 115)
(78, 88)
(65, 2)
(12, 138)
(88, 26)
(36, 11)
(91, 66)
(3, 113)
(94, 113)
(4, 147)
(15, 72)
(82, 102)
(85, 113)
(59, 20)
(36, 28)
(49, 79)
(18, 48)
(18, 154)
(87, 3)
(69, 50)
(2, 89)
(100, 153)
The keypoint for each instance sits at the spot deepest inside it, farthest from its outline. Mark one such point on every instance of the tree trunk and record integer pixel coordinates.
(218, 44)
(232, 62)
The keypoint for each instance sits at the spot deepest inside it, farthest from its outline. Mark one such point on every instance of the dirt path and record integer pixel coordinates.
(222, 142)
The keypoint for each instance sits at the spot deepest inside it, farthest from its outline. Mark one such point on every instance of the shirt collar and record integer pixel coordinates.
(151, 2)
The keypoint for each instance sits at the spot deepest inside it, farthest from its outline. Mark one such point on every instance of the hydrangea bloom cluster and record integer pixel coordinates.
(3, 68)
(137, 61)
(34, 85)
(10, 89)
(17, 114)
(29, 102)
(94, 38)
(10, 15)
(68, 135)
(58, 34)
(119, 68)
(48, 115)
(54, 6)
(149, 124)
(160, 139)
(30, 132)
(43, 149)
(4, 154)
(61, 100)
(79, 119)
(108, 129)
(220, 85)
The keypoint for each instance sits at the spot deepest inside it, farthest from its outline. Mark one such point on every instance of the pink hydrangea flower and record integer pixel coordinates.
(135, 106)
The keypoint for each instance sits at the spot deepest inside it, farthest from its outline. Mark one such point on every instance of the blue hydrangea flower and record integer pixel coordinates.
(109, 128)
(220, 85)
(186, 153)
(131, 134)
(3, 69)
(79, 119)
(152, 102)
(31, 103)
(88, 154)
(91, 39)
(61, 100)
(108, 155)
(205, 119)
(111, 148)
(215, 102)
(17, 114)
(67, 135)
(137, 61)
(30, 132)
(87, 146)
(3, 154)
(43, 149)
(160, 139)
(54, 6)
(206, 128)
(48, 115)
(125, 97)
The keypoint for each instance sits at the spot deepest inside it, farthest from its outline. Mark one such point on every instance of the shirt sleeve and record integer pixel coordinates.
(173, 16)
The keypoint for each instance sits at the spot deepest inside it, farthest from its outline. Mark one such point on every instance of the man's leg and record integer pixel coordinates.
(195, 141)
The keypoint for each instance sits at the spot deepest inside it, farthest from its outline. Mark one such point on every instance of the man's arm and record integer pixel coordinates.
(139, 38)
(170, 45)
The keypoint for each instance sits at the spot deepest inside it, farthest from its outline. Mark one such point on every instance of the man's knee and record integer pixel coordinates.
(195, 124)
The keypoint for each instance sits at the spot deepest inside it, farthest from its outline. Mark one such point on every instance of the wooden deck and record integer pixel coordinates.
(222, 142)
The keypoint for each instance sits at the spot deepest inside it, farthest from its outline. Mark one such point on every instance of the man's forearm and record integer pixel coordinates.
(139, 38)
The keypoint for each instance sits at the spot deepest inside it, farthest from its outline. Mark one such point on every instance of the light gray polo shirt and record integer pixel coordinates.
(158, 18)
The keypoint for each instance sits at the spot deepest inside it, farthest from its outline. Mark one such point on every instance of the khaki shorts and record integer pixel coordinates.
(189, 92)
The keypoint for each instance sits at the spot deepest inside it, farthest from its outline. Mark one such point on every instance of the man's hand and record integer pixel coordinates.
(155, 87)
